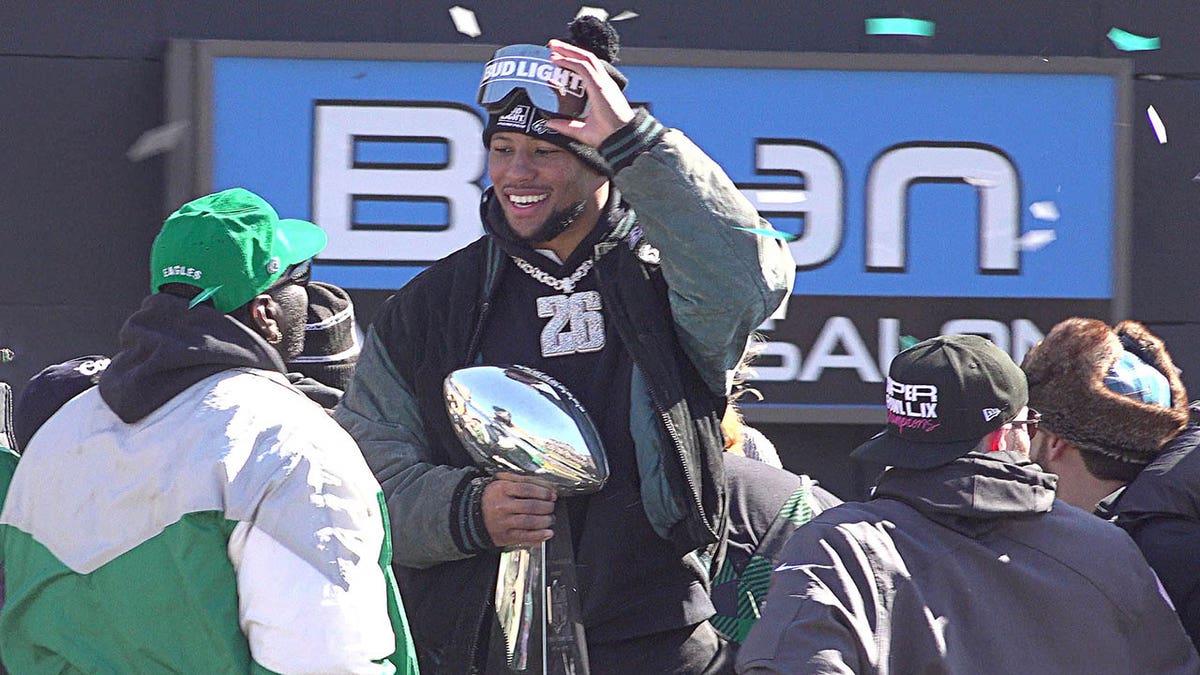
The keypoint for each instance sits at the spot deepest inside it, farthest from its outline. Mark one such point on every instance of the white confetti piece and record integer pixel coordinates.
(1196, 178)
(1044, 211)
(465, 21)
(980, 182)
(625, 16)
(598, 12)
(1035, 240)
(157, 141)
(780, 196)
(1156, 122)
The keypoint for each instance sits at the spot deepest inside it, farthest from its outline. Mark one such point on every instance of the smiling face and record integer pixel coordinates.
(540, 185)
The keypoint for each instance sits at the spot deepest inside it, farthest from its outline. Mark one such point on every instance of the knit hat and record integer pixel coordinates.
(943, 396)
(232, 245)
(519, 115)
(50, 389)
(1114, 392)
(331, 343)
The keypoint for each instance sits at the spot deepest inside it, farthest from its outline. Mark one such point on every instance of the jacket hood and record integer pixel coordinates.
(975, 493)
(166, 348)
(613, 226)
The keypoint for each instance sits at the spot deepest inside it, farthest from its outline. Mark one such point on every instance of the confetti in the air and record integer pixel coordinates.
(1035, 240)
(464, 21)
(624, 16)
(774, 234)
(598, 12)
(979, 182)
(1128, 42)
(1044, 211)
(1196, 178)
(157, 141)
(780, 196)
(900, 26)
(1160, 129)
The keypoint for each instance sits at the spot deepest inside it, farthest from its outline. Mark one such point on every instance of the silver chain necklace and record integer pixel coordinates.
(576, 324)
(565, 284)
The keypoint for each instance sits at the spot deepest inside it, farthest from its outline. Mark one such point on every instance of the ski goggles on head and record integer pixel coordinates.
(527, 68)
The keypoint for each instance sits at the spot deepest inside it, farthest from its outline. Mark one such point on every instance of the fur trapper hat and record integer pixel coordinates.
(1074, 382)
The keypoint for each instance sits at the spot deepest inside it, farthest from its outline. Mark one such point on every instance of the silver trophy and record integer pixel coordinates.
(522, 421)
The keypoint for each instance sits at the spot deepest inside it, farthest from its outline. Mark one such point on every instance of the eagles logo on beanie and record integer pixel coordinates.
(520, 116)
(1115, 392)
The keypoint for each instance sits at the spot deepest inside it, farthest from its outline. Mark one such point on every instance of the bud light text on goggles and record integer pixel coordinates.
(527, 68)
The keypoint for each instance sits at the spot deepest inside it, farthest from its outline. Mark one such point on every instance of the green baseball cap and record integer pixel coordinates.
(231, 244)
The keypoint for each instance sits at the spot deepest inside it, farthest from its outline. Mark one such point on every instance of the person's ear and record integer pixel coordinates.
(1056, 446)
(264, 315)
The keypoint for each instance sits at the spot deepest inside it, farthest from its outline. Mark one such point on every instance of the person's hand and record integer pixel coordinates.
(518, 510)
(609, 108)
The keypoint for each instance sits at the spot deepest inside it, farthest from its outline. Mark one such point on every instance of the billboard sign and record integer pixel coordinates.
(927, 194)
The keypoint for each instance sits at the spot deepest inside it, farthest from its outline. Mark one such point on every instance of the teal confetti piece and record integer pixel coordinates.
(774, 234)
(907, 341)
(900, 26)
(1128, 42)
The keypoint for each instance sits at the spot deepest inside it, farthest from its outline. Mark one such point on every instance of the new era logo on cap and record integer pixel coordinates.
(990, 414)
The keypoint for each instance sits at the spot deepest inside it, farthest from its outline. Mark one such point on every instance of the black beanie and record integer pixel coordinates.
(50, 390)
(520, 116)
(331, 345)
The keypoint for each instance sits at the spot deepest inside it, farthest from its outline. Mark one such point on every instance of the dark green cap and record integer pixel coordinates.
(943, 395)
(232, 245)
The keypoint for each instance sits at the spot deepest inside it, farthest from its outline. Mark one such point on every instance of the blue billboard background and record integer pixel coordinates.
(1059, 130)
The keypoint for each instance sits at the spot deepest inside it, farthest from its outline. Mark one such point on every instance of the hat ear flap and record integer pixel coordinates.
(1148, 347)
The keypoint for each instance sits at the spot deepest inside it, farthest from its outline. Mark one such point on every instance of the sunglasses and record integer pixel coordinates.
(1030, 423)
(299, 274)
(527, 68)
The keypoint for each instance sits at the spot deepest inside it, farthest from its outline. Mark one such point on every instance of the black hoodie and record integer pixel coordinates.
(166, 348)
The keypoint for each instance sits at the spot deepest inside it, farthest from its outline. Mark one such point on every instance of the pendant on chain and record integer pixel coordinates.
(576, 325)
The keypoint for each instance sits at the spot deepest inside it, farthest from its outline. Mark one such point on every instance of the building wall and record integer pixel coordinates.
(82, 80)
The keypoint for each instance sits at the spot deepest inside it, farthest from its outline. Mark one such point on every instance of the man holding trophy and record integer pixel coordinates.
(621, 262)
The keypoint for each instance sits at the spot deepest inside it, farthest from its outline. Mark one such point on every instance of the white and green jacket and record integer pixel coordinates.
(234, 527)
